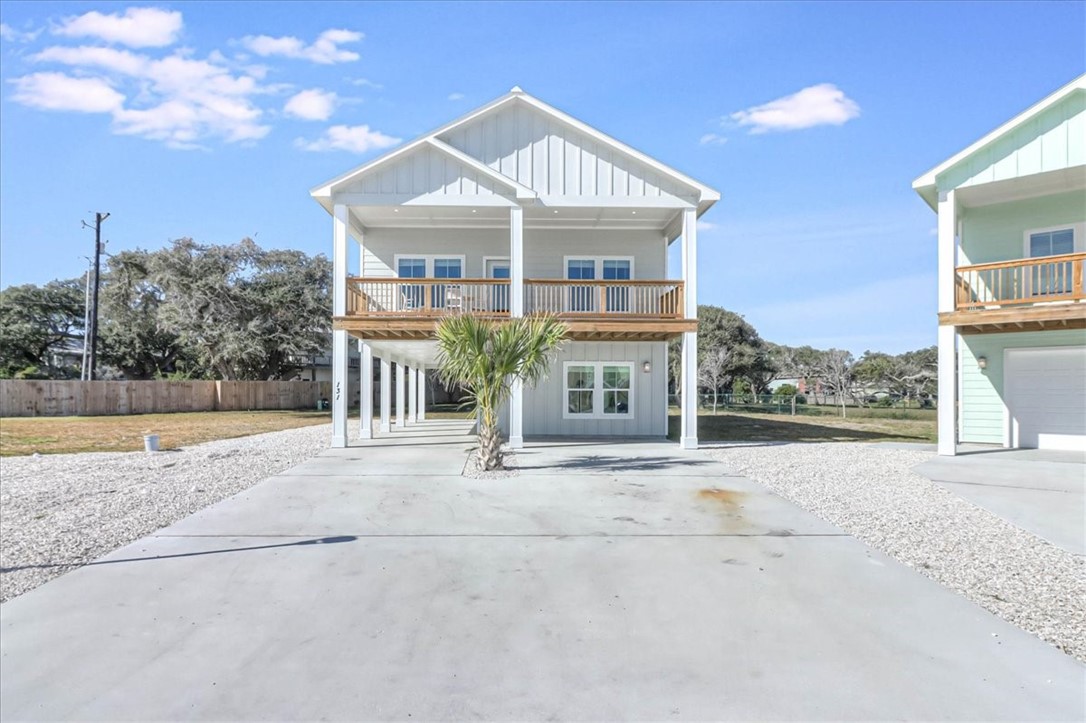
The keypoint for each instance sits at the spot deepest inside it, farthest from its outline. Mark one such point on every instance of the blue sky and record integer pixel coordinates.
(212, 120)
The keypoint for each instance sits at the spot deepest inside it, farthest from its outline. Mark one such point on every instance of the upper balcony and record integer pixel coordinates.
(1020, 295)
(617, 310)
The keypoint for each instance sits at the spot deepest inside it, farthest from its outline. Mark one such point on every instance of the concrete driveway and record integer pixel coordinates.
(606, 582)
(1041, 491)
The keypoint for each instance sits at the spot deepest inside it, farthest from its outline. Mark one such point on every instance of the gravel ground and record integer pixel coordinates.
(60, 511)
(873, 494)
(473, 470)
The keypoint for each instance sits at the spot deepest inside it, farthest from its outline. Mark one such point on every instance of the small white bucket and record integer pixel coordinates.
(150, 443)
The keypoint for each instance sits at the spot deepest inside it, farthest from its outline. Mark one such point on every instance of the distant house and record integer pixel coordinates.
(511, 210)
(1012, 311)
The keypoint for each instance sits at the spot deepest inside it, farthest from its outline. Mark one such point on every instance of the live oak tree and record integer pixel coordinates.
(133, 336)
(243, 312)
(35, 323)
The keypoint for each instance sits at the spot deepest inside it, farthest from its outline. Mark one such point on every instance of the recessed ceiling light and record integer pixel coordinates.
(556, 210)
(395, 210)
(634, 212)
(474, 211)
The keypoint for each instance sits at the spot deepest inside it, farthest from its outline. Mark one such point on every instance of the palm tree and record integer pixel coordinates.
(486, 357)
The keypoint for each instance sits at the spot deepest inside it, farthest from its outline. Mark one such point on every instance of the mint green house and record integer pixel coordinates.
(1012, 311)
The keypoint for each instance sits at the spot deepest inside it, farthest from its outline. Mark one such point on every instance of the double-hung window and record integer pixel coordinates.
(411, 296)
(598, 390)
(416, 296)
(1047, 279)
(586, 297)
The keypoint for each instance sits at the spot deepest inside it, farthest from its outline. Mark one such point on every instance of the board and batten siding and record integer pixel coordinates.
(544, 404)
(1053, 140)
(554, 159)
(997, 232)
(543, 250)
(982, 390)
(426, 172)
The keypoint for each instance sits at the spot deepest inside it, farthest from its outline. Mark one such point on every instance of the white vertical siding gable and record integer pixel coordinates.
(554, 159)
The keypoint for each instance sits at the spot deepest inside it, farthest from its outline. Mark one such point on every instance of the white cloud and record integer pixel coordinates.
(16, 36)
(456, 96)
(314, 104)
(178, 99)
(712, 139)
(365, 83)
(119, 61)
(56, 91)
(324, 50)
(707, 226)
(136, 28)
(356, 139)
(823, 104)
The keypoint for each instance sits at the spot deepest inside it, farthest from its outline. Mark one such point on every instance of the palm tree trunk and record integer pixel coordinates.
(490, 447)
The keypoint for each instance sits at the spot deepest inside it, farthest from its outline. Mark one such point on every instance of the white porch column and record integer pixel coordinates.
(422, 393)
(688, 427)
(401, 393)
(516, 308)
(339, 336)
(386, 394)
(413, 395)
(948, 336)
(365, 406)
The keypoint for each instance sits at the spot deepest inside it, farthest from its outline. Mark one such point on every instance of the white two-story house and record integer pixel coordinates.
(516, 209)
(1012, 312)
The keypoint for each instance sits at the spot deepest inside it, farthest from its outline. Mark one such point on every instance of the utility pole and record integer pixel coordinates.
(98, 219)
(84, 366)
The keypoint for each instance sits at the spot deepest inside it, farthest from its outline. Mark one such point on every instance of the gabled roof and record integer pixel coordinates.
(324, 191)
(925, 185)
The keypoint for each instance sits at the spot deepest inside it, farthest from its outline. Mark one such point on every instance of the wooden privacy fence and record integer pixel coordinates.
(47, 398)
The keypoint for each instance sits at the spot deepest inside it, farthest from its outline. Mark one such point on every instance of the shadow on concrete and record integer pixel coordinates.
(301, 543)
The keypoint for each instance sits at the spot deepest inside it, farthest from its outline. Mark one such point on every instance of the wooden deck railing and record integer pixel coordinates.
(399, 297)
(427, 297)
(1022, 281)
(659, 299)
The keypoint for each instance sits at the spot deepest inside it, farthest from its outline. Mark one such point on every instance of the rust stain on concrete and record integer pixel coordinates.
(728, 498)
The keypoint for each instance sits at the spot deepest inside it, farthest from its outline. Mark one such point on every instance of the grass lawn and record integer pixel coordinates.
(55, 435)
(862, 425)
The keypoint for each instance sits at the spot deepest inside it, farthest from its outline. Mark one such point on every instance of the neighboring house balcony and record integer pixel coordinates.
(619, 309)
(1020, 295)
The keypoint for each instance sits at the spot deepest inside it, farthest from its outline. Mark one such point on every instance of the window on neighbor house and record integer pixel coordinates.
(598, 389)
(1047, 279)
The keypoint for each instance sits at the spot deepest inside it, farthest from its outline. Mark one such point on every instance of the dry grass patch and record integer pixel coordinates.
(752, 427)
(58, 435)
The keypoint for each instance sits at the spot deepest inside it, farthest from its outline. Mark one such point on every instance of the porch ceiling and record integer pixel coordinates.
(1023, 187)
(535, 217)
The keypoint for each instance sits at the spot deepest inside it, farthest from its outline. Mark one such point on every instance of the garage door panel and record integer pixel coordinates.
(1045, 391)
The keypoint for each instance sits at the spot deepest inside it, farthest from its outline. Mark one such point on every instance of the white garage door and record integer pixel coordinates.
(1046, 397)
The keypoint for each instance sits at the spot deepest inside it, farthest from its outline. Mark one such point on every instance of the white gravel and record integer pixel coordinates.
(873, 494)
(473, 470)
(60, 511)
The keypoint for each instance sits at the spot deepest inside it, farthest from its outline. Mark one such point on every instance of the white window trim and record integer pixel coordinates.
(597, 390)
(488, 259)
(1078, 234)
(429, 258)
(599, 264)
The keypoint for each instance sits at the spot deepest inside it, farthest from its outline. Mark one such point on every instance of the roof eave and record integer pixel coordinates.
(929, 178)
